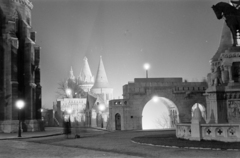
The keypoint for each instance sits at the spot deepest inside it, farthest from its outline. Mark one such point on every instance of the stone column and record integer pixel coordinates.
(230, 74)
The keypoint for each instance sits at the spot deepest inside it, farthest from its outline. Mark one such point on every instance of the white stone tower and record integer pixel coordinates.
(85, 78)
(72, 77)
(101, 86)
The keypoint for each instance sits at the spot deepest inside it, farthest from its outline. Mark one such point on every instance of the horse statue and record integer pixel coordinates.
(231, 15)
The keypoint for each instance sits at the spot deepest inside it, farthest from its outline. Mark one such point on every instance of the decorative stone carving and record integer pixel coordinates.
(214, 78)
(233, 110)
(224, 74)
(231, 132)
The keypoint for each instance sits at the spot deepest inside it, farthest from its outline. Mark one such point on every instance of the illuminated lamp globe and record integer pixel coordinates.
(155, 99)
(68, 91)
(20, 104)
(146, 66)
(101, 107)
(69, 111)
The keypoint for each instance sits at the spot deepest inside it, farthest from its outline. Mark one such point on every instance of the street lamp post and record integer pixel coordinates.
(69, 111)
(19, 104)
(101, 108)
(146, 67)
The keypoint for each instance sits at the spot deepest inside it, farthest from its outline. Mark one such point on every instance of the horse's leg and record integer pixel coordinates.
(234, 35)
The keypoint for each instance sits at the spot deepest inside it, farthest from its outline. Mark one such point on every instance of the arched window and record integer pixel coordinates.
(118, 121)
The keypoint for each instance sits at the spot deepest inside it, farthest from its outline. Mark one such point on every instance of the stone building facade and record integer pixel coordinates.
(126, 113)
(89, 110)
(19, 67)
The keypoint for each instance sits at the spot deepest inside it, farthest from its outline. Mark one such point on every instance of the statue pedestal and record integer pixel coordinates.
(223, 99)
(216, 104)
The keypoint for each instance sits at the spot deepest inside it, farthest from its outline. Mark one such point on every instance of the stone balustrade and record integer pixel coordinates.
(183, 131)
(230, 55)
(217, 132)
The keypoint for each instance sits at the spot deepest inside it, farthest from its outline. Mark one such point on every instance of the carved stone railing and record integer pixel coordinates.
(230, 55)
(217, 132)
(221, 132)
(183, 131)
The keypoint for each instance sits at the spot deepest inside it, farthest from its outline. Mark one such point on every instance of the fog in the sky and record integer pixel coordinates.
(177, 38)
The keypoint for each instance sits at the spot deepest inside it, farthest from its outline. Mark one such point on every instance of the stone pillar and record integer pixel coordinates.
(230, 74)
(28, 80)
(196, 122)
(37, 76)
(211, 119)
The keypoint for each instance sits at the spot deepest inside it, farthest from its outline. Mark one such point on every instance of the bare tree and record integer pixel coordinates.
(76, 90)
(61, 92)
(163, 121)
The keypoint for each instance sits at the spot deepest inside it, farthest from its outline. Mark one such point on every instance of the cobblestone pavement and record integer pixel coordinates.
(113, 144)
(21, 149)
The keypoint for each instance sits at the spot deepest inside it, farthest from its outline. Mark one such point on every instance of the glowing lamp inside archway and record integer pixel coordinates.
(158, 114)
(155, 99)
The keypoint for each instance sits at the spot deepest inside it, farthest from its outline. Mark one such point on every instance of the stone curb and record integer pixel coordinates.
(47, 135)
(29, 137)
(196, 148)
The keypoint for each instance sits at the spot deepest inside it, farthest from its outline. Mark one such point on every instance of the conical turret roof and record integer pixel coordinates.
(86, 74)
(101, 80)
(225, 42)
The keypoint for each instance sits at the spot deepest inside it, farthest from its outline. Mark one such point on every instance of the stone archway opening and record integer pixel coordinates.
(159, 113)
(202, 109)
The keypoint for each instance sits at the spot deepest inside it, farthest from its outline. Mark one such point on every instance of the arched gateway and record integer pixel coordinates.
(159, 113)
(138, 93)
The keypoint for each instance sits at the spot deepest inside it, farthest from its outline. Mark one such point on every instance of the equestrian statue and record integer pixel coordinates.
(231, 14)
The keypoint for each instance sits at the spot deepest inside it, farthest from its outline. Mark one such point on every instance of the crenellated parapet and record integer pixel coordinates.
(146, 85)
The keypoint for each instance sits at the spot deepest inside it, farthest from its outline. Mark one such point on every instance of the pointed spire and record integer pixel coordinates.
(197, 116)
(86, 74)
(101, 80)
(71, 74)
(225, 42)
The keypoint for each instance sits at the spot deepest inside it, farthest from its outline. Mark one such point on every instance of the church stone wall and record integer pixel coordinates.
(20, 72)
(138, 93)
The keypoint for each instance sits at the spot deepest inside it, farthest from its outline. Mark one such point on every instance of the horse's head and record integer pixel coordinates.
(217, 11)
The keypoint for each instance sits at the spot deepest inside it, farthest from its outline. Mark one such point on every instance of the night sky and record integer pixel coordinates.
(176, 37)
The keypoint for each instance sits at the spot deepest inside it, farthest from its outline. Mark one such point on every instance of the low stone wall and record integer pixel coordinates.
(11, 126)
(217, 132)
(183, 131)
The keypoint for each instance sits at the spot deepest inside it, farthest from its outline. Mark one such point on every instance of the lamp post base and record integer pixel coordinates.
(19, 129)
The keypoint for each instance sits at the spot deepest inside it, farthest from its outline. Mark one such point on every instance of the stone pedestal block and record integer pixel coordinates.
(195, 132)
(32, 125)
(9, 126)
(197, 120)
